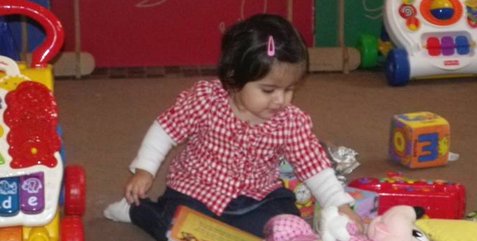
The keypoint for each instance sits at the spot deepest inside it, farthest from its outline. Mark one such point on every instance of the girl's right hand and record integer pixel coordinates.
(138, 186)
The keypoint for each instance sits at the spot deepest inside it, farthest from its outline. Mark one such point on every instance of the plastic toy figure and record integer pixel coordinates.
(33, 178)
(430, 38)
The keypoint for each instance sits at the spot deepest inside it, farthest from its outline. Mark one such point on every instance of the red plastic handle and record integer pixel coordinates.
(53, 29)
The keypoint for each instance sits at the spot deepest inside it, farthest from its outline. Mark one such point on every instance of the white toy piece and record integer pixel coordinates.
(333, 225)
(431, 38)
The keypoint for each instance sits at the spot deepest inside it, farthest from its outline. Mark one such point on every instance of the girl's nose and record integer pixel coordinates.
(280, 98)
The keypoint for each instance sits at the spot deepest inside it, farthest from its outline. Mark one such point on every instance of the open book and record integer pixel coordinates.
(190, 225)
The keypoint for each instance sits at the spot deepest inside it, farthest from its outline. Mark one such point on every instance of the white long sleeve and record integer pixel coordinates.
(327, 190)
(153, 150)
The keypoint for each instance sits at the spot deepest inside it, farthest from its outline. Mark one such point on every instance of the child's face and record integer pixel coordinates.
(260, 100)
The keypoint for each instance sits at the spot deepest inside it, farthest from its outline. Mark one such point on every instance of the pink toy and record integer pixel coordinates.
(288, 227)
(396, 224)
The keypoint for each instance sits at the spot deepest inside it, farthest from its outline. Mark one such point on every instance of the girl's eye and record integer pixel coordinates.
(289, 89)
(267, 91)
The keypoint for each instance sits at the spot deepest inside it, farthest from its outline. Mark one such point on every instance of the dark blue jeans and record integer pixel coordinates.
(243, 212)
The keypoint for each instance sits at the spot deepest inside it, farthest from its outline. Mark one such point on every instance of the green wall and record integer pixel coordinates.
(361, 16)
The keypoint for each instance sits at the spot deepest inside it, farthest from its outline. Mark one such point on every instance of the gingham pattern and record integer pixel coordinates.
(225, 157)
(286, 227)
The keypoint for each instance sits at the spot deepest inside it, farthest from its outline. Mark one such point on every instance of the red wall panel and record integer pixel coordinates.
(65, 13)
(131, 33)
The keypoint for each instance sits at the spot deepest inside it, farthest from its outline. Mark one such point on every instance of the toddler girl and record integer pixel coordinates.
(236, 130)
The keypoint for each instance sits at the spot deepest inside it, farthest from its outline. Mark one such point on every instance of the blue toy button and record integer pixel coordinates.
(9, 205)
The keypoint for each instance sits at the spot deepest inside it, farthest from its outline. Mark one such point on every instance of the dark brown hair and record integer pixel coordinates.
(244, 55)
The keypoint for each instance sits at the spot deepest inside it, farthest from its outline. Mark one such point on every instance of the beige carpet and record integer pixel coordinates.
(104, 121)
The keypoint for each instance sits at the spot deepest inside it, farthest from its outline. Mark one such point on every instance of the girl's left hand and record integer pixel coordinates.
(346, 210)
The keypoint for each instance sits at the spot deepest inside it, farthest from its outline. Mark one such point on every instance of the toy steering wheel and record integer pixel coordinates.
(52, 26)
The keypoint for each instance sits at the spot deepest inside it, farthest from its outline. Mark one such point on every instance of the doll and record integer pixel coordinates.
(396, 224)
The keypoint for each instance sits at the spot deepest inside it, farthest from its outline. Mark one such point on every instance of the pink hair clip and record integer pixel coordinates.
(271, 46)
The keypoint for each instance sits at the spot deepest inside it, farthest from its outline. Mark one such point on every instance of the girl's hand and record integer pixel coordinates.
(346, 210)
(138, 186)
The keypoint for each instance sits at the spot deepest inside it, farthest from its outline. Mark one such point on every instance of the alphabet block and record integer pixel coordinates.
(419, 140)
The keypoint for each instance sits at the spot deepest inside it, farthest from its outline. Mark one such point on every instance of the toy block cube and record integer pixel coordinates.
(419, 140)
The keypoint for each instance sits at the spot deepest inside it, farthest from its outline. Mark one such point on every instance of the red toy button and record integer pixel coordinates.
(407, 11)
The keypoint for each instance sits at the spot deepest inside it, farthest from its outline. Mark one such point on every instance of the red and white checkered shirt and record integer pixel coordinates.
(225, 157)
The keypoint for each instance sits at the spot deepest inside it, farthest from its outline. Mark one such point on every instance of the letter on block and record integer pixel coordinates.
(419, 140)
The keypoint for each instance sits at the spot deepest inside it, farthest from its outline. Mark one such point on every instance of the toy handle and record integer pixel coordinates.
(9, 66)
(52, 26)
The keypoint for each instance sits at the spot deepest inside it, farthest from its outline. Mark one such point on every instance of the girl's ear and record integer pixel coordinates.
(420, 211)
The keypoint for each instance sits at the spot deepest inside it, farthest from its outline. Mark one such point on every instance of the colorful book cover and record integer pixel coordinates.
(190, 225)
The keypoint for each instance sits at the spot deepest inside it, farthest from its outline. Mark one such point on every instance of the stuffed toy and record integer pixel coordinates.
(399, 222)
(287, 227)
(396, 224)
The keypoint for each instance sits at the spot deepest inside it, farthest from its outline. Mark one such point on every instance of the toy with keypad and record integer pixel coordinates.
(33, 178)
(433, 38)
(425, 39)
(419, 140)
(440, 198)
